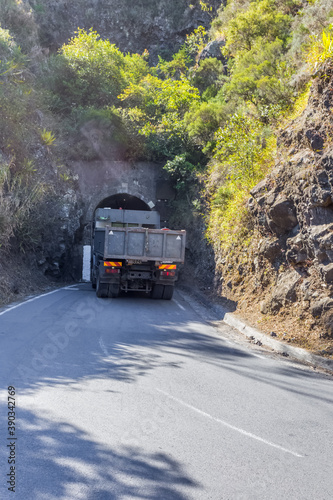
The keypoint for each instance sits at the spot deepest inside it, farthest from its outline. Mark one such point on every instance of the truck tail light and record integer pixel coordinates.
(168, 274)
(111, 270)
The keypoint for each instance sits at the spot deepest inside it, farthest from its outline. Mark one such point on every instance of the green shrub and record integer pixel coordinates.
(261, 75)
(47, 137)
(321, 49)
(177, 67)
(17, 17)
(159, 107)
(181, 171)
(96, 69)
(89, 71)
(244, 152)
(22, 195)
(209, 74)
(262, 19)
(309, 23)
(204, 118)
(195, 42)
(239, 147)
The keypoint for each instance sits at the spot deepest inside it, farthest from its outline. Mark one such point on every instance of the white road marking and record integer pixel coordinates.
(179, 305)
(71, 287)
(227, 341)
(258, 356)
(103, 347)
(226, 424)
(30, 300)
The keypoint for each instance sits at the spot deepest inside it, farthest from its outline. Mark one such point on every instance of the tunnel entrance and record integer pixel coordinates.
(119, 200)
(124, 201)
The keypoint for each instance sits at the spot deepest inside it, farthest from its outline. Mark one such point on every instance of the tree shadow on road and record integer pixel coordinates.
(105, 343)
(59, 461)
(123, 340)
(109, 341)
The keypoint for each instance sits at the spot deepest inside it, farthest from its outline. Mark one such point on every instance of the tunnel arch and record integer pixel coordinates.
(125, 201)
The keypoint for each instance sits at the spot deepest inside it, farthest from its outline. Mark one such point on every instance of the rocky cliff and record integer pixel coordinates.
(287, 272)
(156, 25)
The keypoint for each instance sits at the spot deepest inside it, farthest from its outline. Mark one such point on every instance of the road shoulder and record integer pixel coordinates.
(257, 337)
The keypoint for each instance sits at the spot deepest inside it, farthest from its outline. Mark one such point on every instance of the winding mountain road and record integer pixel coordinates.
(131, 398)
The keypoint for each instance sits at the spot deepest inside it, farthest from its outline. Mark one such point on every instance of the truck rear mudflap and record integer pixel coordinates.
(161, 291)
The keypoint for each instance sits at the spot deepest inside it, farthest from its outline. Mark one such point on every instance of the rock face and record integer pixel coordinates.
(293, 210)
(213, 49)
(156, 25)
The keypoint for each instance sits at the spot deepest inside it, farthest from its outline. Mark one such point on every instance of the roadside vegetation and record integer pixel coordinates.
(212, 121)
(30, 185)
(21, 187)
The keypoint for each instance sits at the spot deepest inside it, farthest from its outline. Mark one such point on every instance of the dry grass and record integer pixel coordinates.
(19, 279)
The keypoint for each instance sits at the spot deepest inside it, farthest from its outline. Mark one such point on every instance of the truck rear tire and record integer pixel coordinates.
(157, 292)
(101, 290)
(92, 277)
(168, 292)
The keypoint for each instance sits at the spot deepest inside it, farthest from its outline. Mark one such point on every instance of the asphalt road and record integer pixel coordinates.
(131, 398)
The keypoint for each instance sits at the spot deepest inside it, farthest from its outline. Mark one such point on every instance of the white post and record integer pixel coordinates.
(86, 263)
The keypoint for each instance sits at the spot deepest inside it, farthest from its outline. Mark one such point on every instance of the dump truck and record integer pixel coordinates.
(130, 252)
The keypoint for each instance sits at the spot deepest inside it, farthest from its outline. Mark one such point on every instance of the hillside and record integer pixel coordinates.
(232, 103)
(285, 278)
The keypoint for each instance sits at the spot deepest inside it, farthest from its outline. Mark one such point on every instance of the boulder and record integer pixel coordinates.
(270, 249)
(297, 251)
(259, 189)
(213, 49)
(319, 216)
(326, 242)
(322, 305)
(284, 292)
(316, 141)
(283, 215)
(322, 179)
(327, 273)
(265, 307)
(327, 322)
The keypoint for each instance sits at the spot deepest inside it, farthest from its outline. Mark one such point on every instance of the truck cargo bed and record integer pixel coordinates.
(140, 244)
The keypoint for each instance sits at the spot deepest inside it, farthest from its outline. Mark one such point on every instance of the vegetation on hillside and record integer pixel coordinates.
(212, 115)
(27, 179)
(209, 119)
